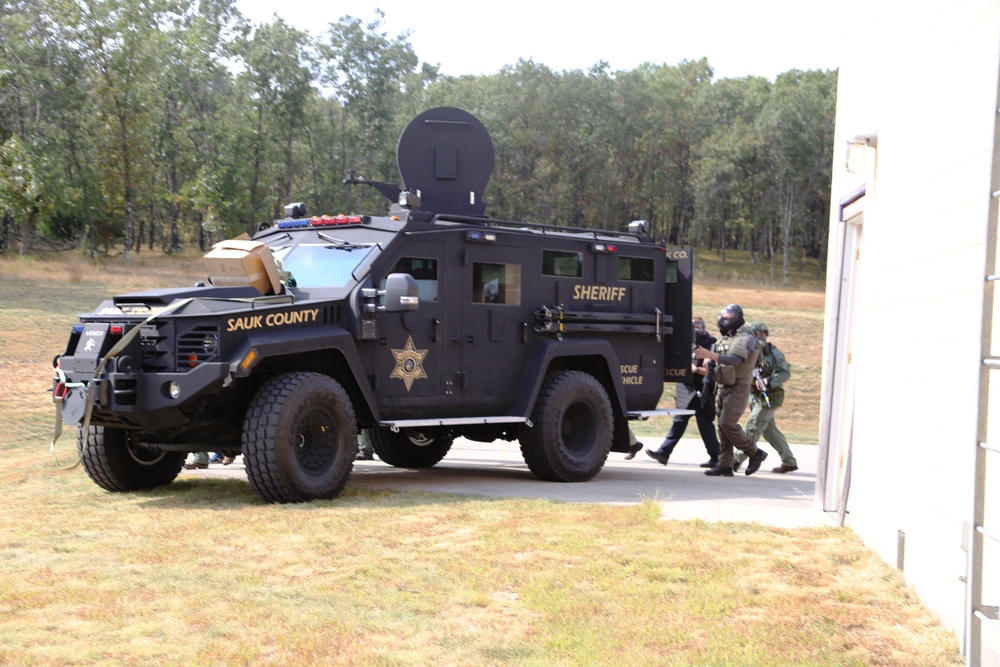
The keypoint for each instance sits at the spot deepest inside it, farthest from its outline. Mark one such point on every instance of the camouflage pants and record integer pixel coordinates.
(761, 425)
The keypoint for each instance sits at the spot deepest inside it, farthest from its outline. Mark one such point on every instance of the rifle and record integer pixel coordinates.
(708, 386)
(758, 377)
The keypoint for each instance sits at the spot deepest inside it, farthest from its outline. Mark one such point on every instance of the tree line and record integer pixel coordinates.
(131, 124)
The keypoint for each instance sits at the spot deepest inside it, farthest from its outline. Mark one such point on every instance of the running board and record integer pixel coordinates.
(643, 415)
(394, 426)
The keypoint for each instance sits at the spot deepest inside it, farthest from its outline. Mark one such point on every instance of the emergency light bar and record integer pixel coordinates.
(319, 221)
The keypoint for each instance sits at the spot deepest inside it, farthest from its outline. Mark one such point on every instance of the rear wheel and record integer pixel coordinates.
(299, 438)
(116, 460)
(572, 428)
(410, 448)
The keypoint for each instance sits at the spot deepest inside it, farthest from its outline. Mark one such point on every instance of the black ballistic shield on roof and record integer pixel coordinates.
(447, 155)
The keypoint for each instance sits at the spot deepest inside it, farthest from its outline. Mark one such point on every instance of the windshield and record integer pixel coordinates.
(322, 265)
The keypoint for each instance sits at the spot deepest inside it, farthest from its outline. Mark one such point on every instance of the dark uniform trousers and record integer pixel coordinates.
(730, 403)
(706, 426)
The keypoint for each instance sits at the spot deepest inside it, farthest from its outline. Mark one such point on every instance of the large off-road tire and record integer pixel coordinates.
(572, 428)
(116, 461)
(299, 438)
(410, 448)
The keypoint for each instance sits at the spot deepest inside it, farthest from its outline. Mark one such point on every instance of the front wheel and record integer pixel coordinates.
(299, 438)
(116, 460)
(410, 448)
(572, 428)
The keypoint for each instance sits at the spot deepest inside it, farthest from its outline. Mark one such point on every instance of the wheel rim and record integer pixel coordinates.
(577, 428)
(420, 439)
(315, 442)
(144, 456)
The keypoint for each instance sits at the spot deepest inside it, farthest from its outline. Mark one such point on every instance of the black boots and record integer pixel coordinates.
(753, 463)
(658, 457)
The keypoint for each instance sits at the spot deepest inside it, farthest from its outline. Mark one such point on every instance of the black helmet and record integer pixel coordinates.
(729, 325)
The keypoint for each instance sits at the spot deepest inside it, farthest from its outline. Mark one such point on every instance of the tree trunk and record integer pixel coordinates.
(29, 233)
(6, 225)
(770, 246)
(786, 234)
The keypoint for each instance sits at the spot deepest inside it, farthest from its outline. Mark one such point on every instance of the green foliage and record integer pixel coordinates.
(174, 122)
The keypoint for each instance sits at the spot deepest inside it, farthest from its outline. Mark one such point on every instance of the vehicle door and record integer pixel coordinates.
(495, 315)
(409, 359)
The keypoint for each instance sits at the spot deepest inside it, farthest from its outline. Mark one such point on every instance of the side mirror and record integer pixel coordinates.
(400, 293)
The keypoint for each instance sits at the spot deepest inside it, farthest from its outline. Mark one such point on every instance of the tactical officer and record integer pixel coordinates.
(735, 357)
(698, 396)
(765, 400)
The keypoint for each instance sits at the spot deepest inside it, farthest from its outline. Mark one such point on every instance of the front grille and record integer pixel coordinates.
(197, 346)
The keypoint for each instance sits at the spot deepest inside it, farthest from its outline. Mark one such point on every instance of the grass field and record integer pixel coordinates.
(203, 573)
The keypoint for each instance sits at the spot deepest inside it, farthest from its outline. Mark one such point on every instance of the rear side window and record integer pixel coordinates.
(496, 283)
(672, 272)
(562, 263)
(635, 268)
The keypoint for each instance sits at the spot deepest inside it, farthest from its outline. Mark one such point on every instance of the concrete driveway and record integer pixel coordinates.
(496, 470)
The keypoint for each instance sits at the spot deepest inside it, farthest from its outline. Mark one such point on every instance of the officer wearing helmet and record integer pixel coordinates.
(735, 358)
(699, 396)
(764, 401)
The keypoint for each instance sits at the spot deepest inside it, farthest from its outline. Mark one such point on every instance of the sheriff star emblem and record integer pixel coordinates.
(409, 364)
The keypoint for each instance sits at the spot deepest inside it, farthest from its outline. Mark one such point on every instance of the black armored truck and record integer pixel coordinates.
(428, 323)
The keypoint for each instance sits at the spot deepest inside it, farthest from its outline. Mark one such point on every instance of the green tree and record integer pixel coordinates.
(152, 121)
(278, 80)
(797, 126)
(731, 170)
(367, 70)
(20, 196)
(120, 40)
(676, 129)
(43, 102)
(190, 117)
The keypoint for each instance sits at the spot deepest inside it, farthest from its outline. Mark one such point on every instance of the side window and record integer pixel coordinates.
(635, 268)
(562, 263)
(496, 283)
(672, 272)
(424, 271)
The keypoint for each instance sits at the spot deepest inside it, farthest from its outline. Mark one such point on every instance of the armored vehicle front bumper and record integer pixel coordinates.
(148, 401)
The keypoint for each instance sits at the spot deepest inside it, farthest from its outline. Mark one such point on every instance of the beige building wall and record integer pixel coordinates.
(905, 285)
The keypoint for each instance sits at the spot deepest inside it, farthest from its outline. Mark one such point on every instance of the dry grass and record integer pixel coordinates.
(202, 573)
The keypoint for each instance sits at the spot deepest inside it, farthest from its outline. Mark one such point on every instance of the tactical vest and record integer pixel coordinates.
(736, 344)
(767, 360)
(768, 364)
